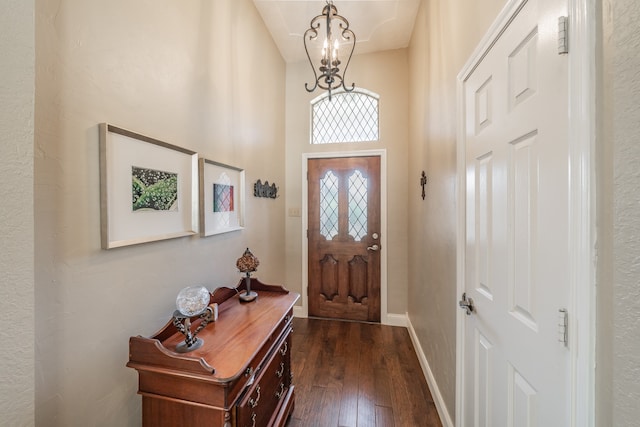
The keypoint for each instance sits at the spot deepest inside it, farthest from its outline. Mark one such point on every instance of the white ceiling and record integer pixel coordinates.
(377, 24)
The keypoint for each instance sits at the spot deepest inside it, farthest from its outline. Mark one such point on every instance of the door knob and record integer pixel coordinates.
(373, 248)
(466, 304)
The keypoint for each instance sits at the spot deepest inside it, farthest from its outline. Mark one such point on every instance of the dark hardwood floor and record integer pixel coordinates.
(350, 374)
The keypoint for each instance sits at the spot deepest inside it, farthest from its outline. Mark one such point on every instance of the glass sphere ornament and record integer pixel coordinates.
(192, 301)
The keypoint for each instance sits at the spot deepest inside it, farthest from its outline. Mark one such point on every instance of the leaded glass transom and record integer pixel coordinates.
(357, 205)
(348, 117)
(329, 205)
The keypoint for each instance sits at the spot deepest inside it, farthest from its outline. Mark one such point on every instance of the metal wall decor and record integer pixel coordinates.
(265, 190)
(423, 182)
(336, 27)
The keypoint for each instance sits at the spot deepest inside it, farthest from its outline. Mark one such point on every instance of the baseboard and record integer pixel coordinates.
(393, 319)
(390, 319)
(445, 417)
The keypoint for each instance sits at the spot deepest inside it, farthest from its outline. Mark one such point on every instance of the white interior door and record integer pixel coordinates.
(515, 370)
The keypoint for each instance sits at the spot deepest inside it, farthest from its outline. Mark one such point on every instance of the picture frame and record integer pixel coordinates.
(148, 189)
(222, 197)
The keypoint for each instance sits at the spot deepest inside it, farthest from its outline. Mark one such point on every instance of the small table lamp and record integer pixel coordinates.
(248, 263)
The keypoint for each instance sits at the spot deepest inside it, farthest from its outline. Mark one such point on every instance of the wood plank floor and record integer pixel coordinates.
(350, 374)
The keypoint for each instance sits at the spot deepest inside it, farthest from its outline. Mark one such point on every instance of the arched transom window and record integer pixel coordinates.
(348, 117)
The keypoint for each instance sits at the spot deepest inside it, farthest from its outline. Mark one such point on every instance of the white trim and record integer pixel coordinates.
(582, 190)
(460, 252)
(444, 415)
(581, 80)
(299, 312)
(394, 319)
(382, 153)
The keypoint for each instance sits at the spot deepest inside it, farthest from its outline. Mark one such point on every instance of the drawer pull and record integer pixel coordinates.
(248, 372)
(253, 420)
(287, 318)
(280, 372)
(280, 393)
(284, 349)
(254, 403)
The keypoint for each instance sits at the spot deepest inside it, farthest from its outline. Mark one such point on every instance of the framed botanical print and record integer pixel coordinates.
(148, 189)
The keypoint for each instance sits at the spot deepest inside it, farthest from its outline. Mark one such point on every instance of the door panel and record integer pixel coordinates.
(344, 238)
(516, 373)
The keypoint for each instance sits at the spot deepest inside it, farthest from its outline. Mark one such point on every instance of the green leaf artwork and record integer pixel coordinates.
(154, 190)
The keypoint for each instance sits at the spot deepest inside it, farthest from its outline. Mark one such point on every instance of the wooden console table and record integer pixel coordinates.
(241, 375)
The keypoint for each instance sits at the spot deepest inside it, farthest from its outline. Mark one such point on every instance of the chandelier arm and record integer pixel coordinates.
(315, 22)
(342, 20)
(313, 34)
(347, 34)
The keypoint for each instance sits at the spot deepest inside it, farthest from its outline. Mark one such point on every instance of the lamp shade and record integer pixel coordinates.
(247, 262)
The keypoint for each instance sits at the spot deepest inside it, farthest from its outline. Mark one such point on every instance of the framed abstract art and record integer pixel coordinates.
(221, 198)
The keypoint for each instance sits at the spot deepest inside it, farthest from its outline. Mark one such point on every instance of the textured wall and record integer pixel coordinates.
(385, 74)
(626, 209)
(445, 34)
(17, 92)
(199, 74)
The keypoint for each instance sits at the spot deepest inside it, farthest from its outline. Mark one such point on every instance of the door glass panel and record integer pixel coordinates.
(329, 205)
(357, 205)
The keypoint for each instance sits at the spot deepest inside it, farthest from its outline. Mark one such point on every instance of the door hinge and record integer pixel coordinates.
(563, 35)
(563, 326)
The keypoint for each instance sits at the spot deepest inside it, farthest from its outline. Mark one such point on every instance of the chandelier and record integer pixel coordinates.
(336, 29)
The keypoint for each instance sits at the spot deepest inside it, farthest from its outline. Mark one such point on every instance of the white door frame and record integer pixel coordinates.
(385, 319)
(582, 206)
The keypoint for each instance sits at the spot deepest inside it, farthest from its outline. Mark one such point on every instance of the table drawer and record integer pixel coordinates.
(253, 370)
(258, 405)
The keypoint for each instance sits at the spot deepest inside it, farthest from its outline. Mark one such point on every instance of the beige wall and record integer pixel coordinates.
(618, 337)
(384, 73)
(202, 77)
(445, 34)
(17, 97)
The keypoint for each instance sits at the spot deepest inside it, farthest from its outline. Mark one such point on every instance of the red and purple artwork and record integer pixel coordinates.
(222, 198)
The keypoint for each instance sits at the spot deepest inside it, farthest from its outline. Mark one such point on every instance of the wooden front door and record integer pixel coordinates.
(344, 238)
